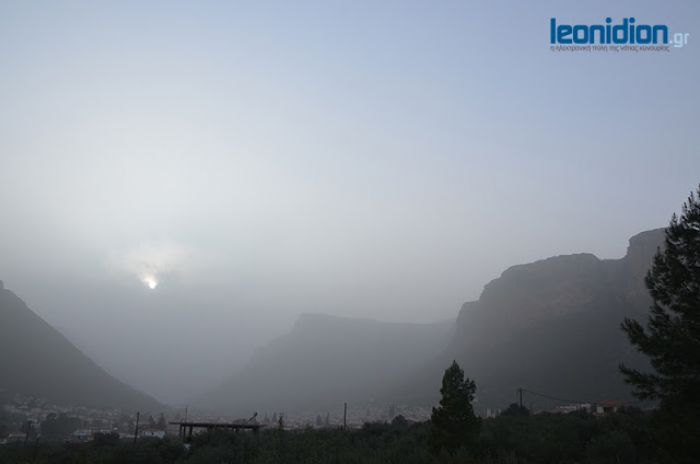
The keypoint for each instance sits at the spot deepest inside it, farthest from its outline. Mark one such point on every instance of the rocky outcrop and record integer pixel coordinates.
(551, 326)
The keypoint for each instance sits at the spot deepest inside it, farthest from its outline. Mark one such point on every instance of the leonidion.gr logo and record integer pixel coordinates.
(625, 35)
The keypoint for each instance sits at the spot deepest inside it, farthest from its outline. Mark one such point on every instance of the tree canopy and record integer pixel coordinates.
(454, 422)
(671, 338)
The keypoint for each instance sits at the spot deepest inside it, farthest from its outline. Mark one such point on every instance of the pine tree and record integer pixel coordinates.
(454, 422)
(671, 339)
(280, 422)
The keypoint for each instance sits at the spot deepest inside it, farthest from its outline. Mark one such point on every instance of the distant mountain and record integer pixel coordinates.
(327, 360)
(552, 326)
(36, 360)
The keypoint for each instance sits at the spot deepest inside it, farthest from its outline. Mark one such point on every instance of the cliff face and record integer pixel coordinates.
(551, 326)
(38, 361)
(554, 326)
(634, 266)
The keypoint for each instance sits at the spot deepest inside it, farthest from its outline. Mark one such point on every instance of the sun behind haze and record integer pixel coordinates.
(382, 160)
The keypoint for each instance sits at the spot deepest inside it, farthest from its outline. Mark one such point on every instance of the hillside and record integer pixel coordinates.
(38, 361)
(326, 360)
(552, 326)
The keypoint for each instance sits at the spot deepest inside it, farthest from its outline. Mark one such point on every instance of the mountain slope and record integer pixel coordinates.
(38, 361)
(552, 326)
(326, 360)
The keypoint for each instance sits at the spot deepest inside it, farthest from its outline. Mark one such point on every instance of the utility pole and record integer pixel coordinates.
(136, 429)
(29, 428)
(520, 394)
(345, 416)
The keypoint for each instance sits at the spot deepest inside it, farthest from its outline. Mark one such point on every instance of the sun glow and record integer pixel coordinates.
(150, 282)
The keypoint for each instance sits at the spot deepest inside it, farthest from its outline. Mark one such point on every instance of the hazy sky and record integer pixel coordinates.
(263, 159)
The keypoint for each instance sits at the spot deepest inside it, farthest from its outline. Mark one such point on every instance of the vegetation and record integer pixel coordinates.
(623, 437)
(454, 435)
(671, 339)
(674, 323)
(454, 424)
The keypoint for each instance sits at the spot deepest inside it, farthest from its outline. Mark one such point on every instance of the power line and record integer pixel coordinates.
(629, 403)
(554, 398)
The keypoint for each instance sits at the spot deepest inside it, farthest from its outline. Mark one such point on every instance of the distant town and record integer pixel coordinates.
(28, 419)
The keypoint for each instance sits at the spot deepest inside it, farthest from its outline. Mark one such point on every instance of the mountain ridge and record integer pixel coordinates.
(39, 361)
(325, 360)
(576, 303)
(503, 340)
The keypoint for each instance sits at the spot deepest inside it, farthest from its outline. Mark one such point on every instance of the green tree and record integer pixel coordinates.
(514, 409)
(280, 422)
(399, 421)
(454, 424)
(671, 339)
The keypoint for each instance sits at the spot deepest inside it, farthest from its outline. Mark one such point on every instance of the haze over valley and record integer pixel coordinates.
(573, 301)
(369, 231)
